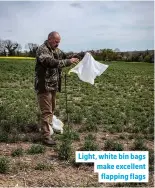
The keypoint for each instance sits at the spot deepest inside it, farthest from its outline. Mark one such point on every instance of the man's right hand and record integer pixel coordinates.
(74, 60)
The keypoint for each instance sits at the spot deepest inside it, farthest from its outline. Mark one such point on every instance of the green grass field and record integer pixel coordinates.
(120, 101)
(118, 108)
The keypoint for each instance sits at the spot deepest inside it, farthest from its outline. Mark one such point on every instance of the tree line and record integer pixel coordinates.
(10, 48)
(133, 56)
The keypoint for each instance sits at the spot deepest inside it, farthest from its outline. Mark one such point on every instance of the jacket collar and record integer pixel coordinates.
(48, 45)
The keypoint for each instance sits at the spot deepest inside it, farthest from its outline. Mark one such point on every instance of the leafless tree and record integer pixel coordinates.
(2, 47)
(32, 48)
(10, 46)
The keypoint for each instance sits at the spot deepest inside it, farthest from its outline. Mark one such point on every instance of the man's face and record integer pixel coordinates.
(54, 41)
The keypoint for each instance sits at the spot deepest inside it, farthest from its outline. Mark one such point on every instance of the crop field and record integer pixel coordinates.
(115, 114)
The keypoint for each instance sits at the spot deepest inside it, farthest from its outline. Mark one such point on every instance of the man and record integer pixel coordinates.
(49, 62)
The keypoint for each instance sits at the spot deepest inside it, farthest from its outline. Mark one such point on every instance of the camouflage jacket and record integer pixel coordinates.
(48, 68)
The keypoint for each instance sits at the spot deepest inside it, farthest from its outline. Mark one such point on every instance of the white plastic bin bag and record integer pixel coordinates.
(88, 69)
(56, 126)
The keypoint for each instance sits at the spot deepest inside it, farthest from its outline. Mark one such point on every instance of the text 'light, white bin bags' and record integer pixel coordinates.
(88, 69)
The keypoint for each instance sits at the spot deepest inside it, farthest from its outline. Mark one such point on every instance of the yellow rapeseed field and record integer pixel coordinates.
(15, 57)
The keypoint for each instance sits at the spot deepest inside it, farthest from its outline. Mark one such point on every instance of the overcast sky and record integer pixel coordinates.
(82, 25)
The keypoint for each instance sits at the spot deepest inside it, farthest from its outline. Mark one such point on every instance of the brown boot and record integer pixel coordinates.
(49, 142)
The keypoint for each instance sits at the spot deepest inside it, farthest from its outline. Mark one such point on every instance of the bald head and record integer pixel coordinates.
(54, 39)
(53, 34)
